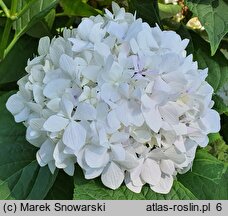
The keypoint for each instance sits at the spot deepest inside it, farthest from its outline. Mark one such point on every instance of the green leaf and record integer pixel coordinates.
(12, 67)
(147, 10)
(168, 10)
(213, 16)
(220, 106)
(43, 27)
(217, 147)
(77, 8)
(63, 187)
(36, 10)
(208, 178)
(217, 65)
(20, 175)
(95, 190)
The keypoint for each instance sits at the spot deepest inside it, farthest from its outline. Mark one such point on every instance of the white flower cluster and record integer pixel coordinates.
(119, 98)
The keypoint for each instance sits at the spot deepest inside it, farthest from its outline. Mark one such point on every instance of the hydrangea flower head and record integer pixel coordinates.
(119, 98)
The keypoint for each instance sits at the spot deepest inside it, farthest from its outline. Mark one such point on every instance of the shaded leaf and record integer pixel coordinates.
(147, 10)
(77, 8)
(12, 67)
(63, 187)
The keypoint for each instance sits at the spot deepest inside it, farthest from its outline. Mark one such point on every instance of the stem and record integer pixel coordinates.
(13, 8)
(5, 37)
(7, 29)
(5, 9)
(60, 14)
(10, 46)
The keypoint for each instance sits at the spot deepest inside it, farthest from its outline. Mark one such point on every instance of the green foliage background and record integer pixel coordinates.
(23, 22)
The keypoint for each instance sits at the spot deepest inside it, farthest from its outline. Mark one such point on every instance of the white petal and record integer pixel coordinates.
(151, 172)
(74, 136)
(45, 153)
(91, 173)
(136, 116)
(96, 156)
(134, 29)
(91, 72)
(136, 172)
(180, 144)
(109, 92)
(151, 113)
(61, 159)
(22, 116)
(118, 152)
(102, 49)
(113, 121)
(130, 162)
(38, 94)
(134, 46)
(119, 137)
(85, 111)
(32, 134)
(123, 114)
(69, 169)
(56, 88)
(55, 123)
(53, 104)
(180, 129)
(36, 123)
(51, 166)
(115, 71)
(43, 46)
(212, 121)
(167, 166)
(67, 107)
(131, 186)
(84, 28)
(67, 63)
(169, 114)
(96, 33)
(103, 138)
(164, 186)
(116, 29)
(173, 155)
(112, 176)
(15, 104)
(141, 135)
(37, 108)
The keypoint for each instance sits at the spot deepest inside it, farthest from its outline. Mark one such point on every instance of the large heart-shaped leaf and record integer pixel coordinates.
(208, 178)
(213, 16)
(20, 175)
